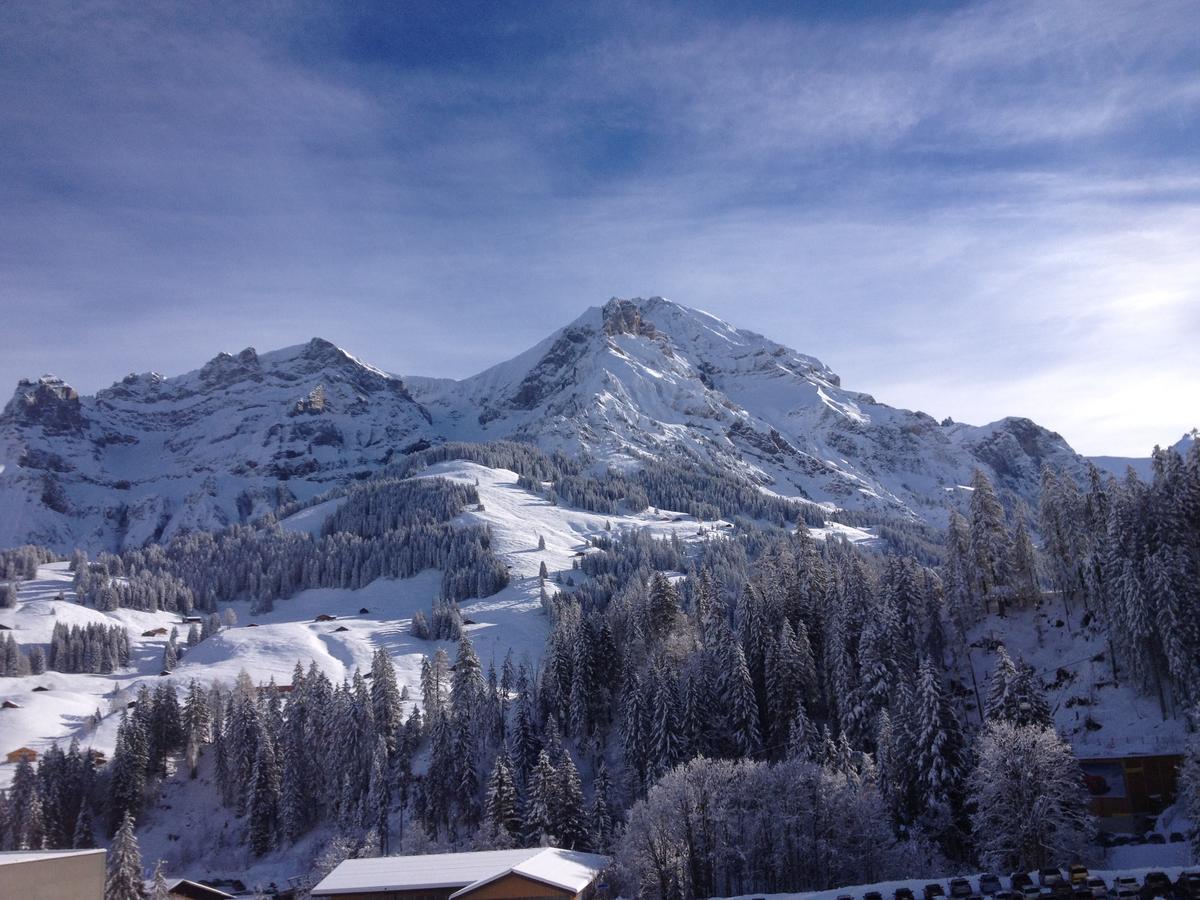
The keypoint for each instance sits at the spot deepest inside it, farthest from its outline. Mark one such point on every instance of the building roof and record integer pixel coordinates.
(568, 870)
(560, 868)
(11, 857)
(194, 889)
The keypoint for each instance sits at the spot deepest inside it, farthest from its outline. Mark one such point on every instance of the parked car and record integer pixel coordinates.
(989, 884)
(1031, 890)
(1049, 877)
(904, 894)
(845, 897)
(1078, 874)
(1187, 885)
(872, 895)
(1006, 895)
(1061, 889)
(960, 887)
(1019, 880)
(1097, 886)
(1157, 884)
(1081, 892)
(1126, 887)
(933, 889)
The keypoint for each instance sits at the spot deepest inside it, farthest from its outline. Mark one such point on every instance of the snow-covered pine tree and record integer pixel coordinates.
(385, 699)
(541, 801)
(938, 744)
(600, 813)
(127, 774)
(264, 797)
(570, 818)
(502, 803)
(989, 542)
(158, 884)
(737, 696)
(123, 880)
(665, 738)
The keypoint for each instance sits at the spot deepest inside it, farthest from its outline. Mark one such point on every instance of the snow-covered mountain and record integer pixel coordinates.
(1142, 465)
(638, 377)
(150, 455)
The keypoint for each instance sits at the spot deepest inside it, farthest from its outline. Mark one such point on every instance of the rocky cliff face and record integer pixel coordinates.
(152, 455)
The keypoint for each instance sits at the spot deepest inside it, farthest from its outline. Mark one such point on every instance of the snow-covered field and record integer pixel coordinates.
(268, 645)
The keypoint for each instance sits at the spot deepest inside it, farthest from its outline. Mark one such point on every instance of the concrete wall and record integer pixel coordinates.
(60, 878)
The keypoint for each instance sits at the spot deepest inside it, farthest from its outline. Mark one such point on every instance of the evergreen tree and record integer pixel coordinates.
(124, 876)
(264, 797)
(158, 884)
(542, 801)
(601, 815)
(502, 804)
(989, 542)
(570, 820)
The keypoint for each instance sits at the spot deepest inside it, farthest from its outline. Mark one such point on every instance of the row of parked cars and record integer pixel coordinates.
(1051, 884)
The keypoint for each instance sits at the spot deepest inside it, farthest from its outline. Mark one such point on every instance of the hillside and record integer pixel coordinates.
(268, 645)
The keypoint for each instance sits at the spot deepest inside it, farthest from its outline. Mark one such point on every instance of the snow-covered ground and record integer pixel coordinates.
(1074, 664)
(269, 644)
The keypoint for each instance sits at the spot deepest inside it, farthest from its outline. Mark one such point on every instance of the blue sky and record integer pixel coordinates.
(975, 209)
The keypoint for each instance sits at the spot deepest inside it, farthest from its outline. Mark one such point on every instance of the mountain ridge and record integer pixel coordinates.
(151, 455)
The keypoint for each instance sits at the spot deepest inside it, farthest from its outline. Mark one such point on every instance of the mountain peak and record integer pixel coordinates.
(49, 401)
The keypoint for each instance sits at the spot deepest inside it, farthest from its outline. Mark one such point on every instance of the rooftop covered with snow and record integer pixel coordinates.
(565, 869)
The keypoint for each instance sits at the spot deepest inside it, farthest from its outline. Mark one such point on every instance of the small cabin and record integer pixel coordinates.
(183, 889)
(325, 617)
(364, 611)
(252, 625)
(155, 632)
(40, 688)
(9, 704)
(4, 627)
(341, 628)
(193, 620)
(22, 754)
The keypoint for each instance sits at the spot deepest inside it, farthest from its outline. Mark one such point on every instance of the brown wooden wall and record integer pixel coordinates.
(426, 894)
(516, 887)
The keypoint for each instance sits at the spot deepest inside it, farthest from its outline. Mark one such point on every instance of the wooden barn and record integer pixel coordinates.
(1131, 785)
(546, 873)
(22, 753)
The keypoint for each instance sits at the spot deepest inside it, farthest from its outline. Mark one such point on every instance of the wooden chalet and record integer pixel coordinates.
(26, 754)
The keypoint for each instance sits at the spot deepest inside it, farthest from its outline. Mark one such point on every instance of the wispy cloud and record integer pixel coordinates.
(983, 211)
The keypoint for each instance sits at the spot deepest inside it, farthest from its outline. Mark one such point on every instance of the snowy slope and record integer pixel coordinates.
(1098, 715)
(151, 456)
(268, 645)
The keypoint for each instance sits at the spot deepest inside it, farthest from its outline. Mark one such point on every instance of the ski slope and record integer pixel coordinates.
(268, 645)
